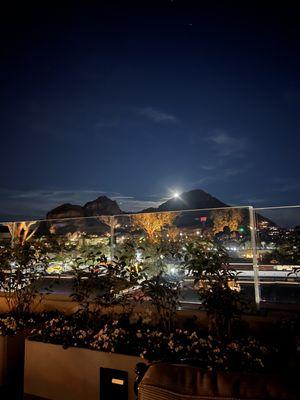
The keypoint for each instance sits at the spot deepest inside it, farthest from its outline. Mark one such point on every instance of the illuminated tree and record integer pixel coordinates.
(152, 223)
(230, 217)
(173, 234)
(22, 231)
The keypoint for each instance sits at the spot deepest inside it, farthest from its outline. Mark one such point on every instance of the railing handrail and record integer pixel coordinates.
(275, 207)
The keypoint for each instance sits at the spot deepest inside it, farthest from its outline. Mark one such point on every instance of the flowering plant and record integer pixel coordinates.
(247, 354)
(11, 325)
(113, 338)
(205, 351)
(153, 344)
(8, 326)
(63, 330)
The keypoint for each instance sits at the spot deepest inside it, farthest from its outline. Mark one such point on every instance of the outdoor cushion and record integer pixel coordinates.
(183, 382)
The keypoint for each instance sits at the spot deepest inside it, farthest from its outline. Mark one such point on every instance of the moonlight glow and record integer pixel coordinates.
(176, 195)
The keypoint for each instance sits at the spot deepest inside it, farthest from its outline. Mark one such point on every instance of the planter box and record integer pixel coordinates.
(12, 362)
(55, 373)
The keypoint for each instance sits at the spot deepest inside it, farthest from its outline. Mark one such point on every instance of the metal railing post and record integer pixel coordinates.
(13, 230)
(253, 233)
(112, 237)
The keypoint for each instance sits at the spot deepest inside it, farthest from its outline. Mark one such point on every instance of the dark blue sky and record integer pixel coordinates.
(136, 99)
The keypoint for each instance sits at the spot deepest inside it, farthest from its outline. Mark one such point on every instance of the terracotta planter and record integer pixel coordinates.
(55, 373)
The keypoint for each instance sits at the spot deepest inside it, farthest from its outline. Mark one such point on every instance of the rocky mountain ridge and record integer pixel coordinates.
(191, 200)
(103, 205)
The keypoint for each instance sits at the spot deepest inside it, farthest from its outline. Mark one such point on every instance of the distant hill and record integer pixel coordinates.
(192, 200)
(78, 214)
(101, 206)
(200, 200)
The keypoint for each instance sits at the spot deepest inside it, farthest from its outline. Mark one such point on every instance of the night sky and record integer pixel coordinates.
(137, 99)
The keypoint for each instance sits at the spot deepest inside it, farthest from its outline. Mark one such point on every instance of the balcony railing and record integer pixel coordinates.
(262, 243)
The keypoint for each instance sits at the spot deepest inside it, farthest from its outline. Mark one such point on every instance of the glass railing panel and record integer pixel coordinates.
(224, 227)
(153, 242)
(66, 239)
(278, 253)
(158, 241)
